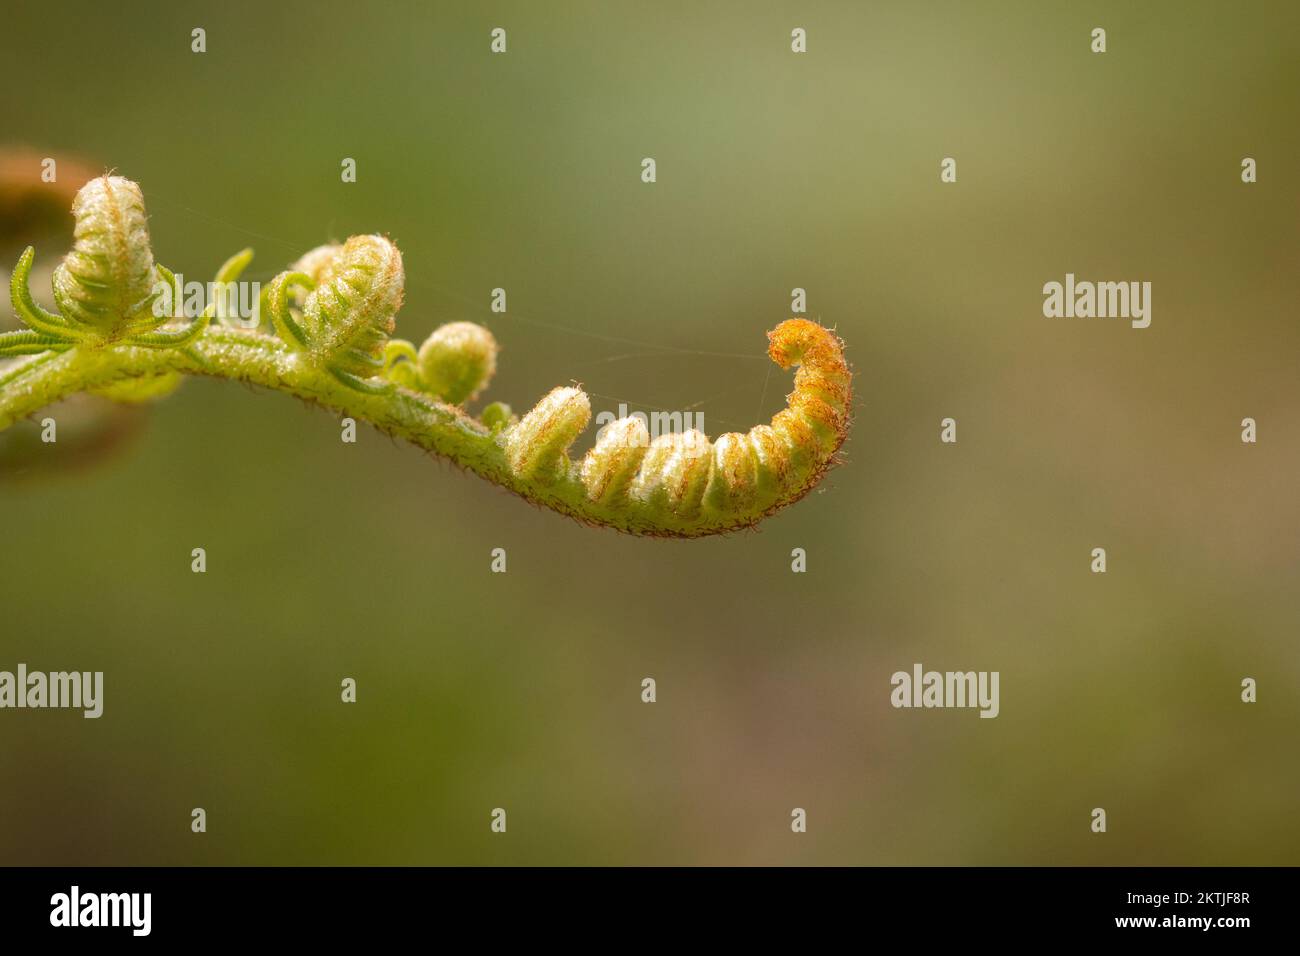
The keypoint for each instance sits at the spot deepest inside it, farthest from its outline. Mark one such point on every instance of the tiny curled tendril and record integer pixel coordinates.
(327, 338)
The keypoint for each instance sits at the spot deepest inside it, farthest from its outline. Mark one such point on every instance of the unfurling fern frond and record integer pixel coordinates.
(333, 315)
(681, 483)
(106, 280)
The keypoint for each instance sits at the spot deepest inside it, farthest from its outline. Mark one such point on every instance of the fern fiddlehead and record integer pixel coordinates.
(333, 315)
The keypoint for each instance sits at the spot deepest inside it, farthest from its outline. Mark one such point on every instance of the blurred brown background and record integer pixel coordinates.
(775, 170)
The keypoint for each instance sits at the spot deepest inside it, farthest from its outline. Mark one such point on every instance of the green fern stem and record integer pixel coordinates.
(333, 316)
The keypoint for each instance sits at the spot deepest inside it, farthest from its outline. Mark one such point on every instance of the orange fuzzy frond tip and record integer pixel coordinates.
(823, 385)
(801, 342)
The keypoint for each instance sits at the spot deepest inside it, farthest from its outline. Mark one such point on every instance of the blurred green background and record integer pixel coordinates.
(775, 170)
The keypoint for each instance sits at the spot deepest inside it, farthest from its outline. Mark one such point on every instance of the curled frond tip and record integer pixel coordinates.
(681, 483)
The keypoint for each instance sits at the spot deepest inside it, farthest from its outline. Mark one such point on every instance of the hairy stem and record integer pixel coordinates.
(333, 313)
(263, 360)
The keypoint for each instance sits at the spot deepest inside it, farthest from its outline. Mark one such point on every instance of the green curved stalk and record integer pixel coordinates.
(259, 359)
(333, 349)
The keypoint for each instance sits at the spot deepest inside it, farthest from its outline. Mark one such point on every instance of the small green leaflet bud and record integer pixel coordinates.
(349, 317)
(673, 474)
(496, 416)
(609, 467)
(457, 361)
(535, 448)
(108, 277)
(733, 483)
